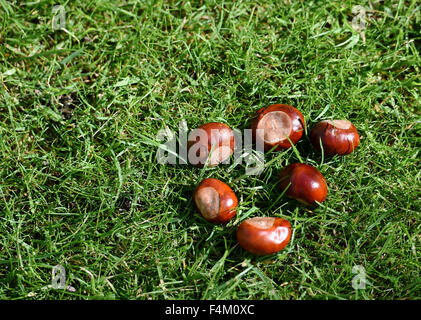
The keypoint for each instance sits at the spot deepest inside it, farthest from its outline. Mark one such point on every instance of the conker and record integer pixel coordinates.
(278, 123)
(304, 182)
(337, 137)
(264, 235)
(215, 200)
(215, 139)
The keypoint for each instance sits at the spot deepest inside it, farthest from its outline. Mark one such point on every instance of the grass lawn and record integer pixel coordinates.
(80, 109)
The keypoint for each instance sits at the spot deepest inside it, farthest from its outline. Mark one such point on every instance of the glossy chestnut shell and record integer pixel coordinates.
(215, 200)
(214, 140)
(264, 235)
(304, 182)
(337, 137)
(278, 121)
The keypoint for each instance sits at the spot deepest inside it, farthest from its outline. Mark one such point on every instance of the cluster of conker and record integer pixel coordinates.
(282, 126)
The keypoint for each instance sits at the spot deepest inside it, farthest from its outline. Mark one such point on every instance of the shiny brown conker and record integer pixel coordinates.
(264, 235)
(336, 136)
(279, 122)
(304, 183)
(212, 140)
(215, 200)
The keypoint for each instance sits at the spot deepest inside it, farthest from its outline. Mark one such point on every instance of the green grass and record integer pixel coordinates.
(80, 109)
